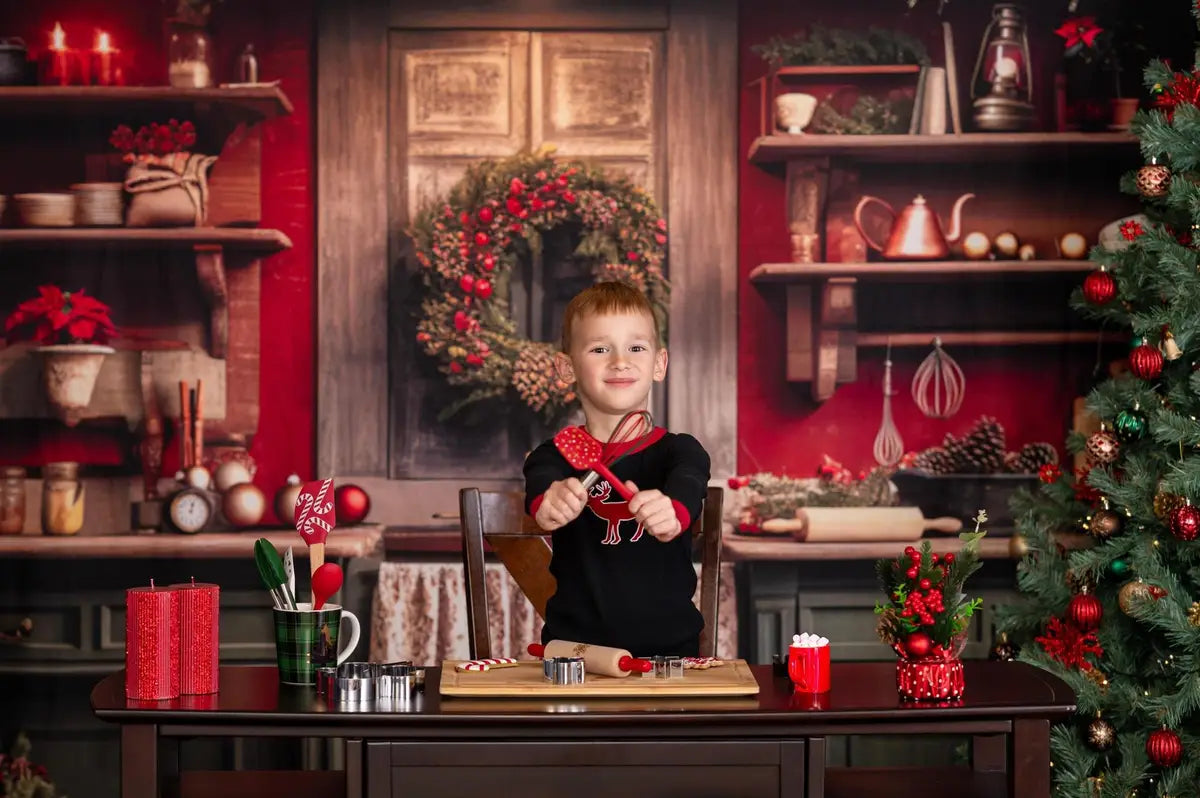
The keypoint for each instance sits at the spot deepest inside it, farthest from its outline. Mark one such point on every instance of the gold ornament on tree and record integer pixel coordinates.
(1100, 734)
(1097, 676)
(1103, 447)
(1137, 591)
(1018, 547)
(1104, 523)
(243, 505)
(1165, 504)
(1170, 349)
(1194, 613)
(1153, 179)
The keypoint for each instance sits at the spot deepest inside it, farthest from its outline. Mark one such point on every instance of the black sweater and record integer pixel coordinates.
(635, 593)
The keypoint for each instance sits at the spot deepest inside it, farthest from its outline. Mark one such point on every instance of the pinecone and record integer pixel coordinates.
(1012, 463)
(983, 448)
(934, 460)
(1033, 456)
(956, 454)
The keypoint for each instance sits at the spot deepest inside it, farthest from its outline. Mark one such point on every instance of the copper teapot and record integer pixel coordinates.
(916, 233)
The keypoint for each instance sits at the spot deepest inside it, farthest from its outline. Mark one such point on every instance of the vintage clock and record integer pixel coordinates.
(190, 510)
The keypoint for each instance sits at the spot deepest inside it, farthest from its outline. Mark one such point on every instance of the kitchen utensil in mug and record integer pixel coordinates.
(271, 571)
(308, 639)
(315, 519)
(582, 451)
(808, 667)
(916, 233)
(326, 581)
(289, 568)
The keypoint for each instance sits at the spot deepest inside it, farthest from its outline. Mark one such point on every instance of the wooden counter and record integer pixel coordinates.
(748, 548)
(352, 541)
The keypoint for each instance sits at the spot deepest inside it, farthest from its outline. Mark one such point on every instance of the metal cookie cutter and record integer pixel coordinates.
(566, 670)
(396, 681)
(668, 667)
(326, 681)
(356, 682)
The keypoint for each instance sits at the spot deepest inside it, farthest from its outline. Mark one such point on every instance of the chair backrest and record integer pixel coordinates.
(499, 520)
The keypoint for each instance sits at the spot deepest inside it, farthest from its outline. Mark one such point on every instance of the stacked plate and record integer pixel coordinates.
(45, 210)
(99, 204)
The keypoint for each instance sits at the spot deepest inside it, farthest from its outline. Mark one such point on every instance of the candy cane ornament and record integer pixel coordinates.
(315, 518)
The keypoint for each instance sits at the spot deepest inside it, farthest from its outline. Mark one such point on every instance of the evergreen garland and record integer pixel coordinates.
(822, 46)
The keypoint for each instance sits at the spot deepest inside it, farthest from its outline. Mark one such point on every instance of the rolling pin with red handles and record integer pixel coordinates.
(596, 659)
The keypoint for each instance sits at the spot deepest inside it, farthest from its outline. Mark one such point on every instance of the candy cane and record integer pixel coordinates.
(486, 664)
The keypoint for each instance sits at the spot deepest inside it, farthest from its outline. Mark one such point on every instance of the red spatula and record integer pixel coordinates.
(314, 520)
(326, 581)
(582, 451)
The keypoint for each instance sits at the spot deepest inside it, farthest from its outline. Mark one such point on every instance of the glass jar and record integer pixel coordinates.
(188, 49)
(12, 500)
(62, 499)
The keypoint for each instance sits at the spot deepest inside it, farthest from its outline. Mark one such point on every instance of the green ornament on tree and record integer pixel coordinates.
(1118, 567)
(1130, 425)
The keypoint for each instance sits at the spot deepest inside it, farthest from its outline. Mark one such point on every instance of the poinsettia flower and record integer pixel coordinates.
(1079, 32)
(1131, 229)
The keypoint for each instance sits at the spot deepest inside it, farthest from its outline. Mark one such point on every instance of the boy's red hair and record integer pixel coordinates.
(605, 298)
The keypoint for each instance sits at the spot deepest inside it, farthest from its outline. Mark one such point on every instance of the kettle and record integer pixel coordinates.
(916, 233)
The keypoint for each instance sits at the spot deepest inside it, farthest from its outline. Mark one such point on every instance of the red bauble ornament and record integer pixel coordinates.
(1085, 611)
(467, 284)
(1146, 361)
(489, 263)
(1185, 522)
(483, 288)
(481, 239)
(918, 644)
(1164, 748)
(1099, 287)
(486, 215)
(351, 504)
(1103, 447)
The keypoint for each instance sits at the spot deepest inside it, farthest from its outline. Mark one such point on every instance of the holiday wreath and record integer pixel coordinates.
(496, 215)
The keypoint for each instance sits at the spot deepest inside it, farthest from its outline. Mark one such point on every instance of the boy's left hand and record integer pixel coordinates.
(654, 511)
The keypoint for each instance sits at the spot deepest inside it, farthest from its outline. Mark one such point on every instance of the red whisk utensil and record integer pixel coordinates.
(582, 451)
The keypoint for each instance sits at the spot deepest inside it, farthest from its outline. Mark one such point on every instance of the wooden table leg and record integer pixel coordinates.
(1030, 774)
(139, 761)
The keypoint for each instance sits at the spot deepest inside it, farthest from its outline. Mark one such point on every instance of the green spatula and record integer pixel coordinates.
(273, 574)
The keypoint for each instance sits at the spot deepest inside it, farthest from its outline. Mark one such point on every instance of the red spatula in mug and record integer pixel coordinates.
(315, 519)
(582, 451)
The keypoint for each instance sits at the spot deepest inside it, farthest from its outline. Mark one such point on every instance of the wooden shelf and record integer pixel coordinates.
(985, 338)
(359, 540)
(949, 148)
(253, 239)
(260, 102)
(914, 271)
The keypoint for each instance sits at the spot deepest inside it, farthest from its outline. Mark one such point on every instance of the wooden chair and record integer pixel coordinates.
(499, 519)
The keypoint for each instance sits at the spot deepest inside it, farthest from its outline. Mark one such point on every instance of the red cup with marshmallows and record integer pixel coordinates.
(808, 663)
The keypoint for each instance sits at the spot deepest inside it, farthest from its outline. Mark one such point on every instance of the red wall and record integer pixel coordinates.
(282, 32)
(781, 429)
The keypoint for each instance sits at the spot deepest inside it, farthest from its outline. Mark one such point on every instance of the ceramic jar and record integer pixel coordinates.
(12, 500)
(62, 499)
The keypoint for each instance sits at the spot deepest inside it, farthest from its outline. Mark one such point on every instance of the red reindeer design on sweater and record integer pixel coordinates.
(613, 513)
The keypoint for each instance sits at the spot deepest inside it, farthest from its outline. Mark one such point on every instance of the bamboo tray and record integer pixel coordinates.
(524, 681)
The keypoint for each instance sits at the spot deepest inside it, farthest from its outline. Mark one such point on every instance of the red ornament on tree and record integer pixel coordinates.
(351, 504)
(1164, 748)
(1085, 611)
(1099, 287)
(1185, 522)
(486, 215)
(467, 284)
(483, 288)
(1146, 361)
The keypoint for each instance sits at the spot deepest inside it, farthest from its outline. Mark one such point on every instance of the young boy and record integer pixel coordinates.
(624, 569)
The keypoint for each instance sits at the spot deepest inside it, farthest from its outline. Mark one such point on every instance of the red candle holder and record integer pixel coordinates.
(151, 643)
(59, 65)
(106, 67)
(199, 637)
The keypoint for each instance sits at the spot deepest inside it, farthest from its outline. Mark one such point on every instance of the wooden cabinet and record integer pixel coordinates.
(844, 300)
(187, 297)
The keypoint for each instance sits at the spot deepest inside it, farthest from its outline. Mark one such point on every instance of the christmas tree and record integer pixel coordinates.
(1115, 611)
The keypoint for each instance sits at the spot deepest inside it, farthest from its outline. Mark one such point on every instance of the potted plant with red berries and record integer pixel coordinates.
(926, 615)
(71, 330)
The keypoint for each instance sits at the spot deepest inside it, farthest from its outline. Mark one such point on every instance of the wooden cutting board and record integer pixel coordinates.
(526, 680)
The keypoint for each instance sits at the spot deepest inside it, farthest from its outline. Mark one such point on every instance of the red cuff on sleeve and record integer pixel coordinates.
(535, 504)
(685, 518)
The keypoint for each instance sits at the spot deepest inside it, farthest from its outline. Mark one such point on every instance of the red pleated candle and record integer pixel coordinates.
(199, 641)
(151, 643)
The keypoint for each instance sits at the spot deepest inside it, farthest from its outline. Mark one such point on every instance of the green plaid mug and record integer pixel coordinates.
(307, 640)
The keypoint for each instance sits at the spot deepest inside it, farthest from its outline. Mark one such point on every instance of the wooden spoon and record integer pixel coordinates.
(326, 581)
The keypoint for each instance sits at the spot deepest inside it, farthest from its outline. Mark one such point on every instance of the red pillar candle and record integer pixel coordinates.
(58, 65)
(151, 643)
(105, 63)
(199, 638)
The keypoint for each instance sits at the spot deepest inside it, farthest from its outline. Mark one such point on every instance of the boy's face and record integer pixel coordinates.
(613, 361)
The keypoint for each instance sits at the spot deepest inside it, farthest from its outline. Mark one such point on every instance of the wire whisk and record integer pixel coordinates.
(889, 446)
(938, 386)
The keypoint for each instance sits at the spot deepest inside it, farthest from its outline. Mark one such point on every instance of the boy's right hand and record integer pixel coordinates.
(562, 503)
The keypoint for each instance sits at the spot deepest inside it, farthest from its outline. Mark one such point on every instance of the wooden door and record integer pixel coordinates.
(457, 97)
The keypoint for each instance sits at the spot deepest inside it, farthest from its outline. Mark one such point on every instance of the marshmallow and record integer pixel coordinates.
(807, 640)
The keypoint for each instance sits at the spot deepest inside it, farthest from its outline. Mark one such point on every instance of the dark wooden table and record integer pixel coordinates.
(769, 744)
